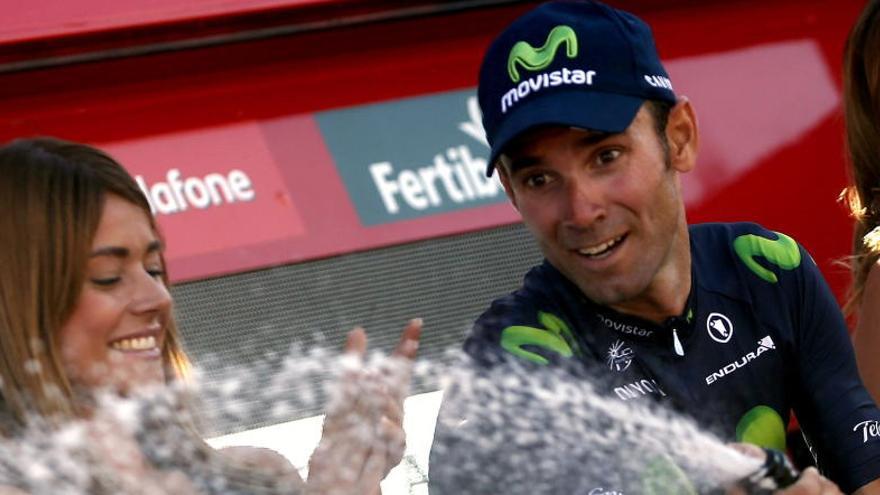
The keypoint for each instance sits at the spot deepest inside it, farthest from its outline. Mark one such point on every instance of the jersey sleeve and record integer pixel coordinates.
(835, 411)
(517, 327)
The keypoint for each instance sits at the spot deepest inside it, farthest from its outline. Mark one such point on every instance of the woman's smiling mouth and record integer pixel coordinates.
(142, 344)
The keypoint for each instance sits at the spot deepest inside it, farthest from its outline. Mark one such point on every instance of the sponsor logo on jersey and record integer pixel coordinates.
(764, 345)
(556, 336)
(869, 429)
(625, 328)
(782, 252)
(638, 389)
(720, 327)
(619, 356)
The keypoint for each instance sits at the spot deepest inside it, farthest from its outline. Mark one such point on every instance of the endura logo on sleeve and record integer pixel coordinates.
(764, 345)
(782, 252)
(535, 59)
(720, 328)
(869, 429)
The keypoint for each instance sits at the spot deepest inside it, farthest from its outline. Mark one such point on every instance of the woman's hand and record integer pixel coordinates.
(122, 464)
(363, 437)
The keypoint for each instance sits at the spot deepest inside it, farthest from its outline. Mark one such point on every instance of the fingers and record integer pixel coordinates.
(393, 410)
(384, 456)
(363, 437)
(811, 483)
(356, 343)
(408, 345)
(395, 443)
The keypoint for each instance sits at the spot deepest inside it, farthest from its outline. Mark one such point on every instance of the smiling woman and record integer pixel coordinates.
(55, 193)
(116, 331)
(85, 314)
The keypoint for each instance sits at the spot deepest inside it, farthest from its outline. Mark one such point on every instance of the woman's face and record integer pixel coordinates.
(115, 334)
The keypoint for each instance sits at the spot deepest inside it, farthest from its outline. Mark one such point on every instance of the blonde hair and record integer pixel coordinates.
(52, 194)
(861, 78)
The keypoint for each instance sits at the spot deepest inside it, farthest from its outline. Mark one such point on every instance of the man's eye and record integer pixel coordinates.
(156, 272)
(536, 180)
(607, 156)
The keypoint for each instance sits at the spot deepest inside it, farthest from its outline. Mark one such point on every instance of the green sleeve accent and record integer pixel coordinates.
(556, 325)
(782, 252)
(515, 337)
(533, 59)
(663, 477)
(762, 426)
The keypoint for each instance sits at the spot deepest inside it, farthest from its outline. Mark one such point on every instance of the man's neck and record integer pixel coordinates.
(668, 293)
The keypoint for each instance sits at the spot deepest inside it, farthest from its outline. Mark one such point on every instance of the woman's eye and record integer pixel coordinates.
(607, 156)
(156, 272)
(105, 282)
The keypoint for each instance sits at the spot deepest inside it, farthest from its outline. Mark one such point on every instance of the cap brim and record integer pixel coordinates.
(593, 110)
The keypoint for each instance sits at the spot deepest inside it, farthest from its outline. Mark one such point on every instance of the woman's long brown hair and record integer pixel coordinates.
(861, 77)
(51, 199)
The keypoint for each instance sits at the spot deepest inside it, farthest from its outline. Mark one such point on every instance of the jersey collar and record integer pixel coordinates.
(634, 328)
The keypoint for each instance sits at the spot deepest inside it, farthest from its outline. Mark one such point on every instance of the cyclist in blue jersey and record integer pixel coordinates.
(730, 324)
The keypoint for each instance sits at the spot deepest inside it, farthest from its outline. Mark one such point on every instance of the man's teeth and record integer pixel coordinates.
(135, 344)
(601, 248)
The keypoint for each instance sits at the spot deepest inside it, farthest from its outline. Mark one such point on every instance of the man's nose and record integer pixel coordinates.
(585, 203)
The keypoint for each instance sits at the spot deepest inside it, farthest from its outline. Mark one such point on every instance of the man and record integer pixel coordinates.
(730, 324)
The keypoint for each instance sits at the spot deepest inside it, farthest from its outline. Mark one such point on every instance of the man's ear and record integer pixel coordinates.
(504, 176)
(683, 135)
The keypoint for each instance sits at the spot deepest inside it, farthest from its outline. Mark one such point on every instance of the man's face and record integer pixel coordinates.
(606, 209)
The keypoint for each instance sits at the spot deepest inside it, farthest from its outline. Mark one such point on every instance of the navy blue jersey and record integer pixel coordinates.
(761, 335)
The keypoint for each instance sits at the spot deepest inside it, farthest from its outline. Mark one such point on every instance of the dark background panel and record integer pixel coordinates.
(245, 332)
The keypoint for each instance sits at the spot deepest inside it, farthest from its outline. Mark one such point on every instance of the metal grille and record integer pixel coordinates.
(251, 320)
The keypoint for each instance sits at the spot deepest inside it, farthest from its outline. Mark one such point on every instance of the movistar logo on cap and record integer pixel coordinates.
(525, 56)
(535, 59)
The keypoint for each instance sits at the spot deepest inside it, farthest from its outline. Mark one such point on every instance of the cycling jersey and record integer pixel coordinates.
(761, 335)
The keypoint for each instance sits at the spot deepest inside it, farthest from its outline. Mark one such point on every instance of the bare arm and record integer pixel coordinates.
(872, 488)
